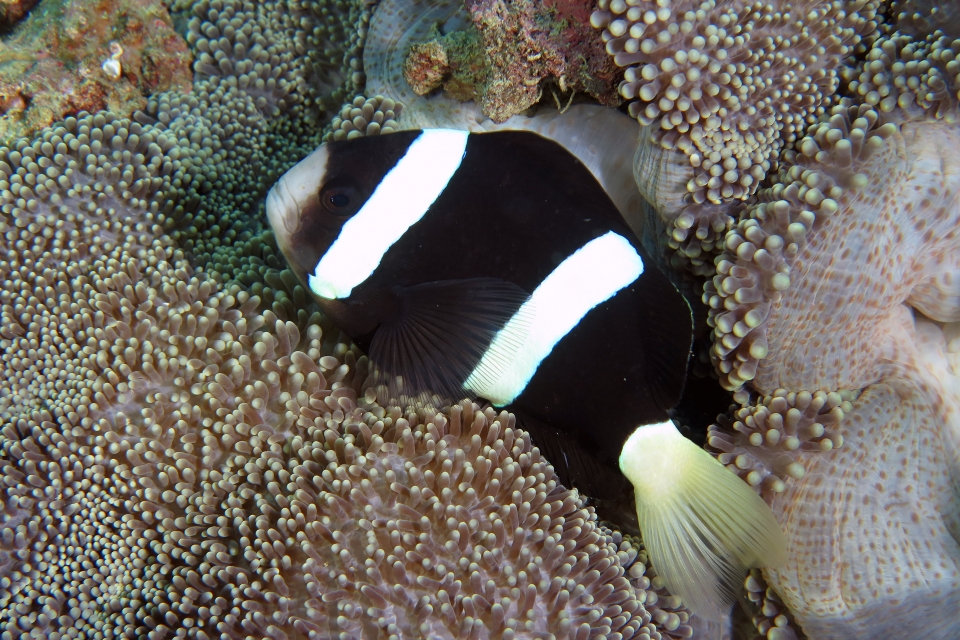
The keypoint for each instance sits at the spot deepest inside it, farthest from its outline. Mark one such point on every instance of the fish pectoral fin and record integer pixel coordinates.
(702, 525)
(440, 333)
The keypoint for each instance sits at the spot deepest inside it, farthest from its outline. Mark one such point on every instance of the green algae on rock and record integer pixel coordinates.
(12, 11)
(51, 64)
(508, 53)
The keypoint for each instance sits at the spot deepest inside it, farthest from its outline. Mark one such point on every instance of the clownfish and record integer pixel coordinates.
(495, 266)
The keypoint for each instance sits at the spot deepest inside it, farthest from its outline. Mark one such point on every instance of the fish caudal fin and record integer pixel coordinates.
(702, 525)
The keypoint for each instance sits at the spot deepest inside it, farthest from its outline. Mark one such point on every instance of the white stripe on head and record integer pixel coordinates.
(398, 202)
(591, 275)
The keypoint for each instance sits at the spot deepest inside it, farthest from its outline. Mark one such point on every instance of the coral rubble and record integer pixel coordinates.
(502, 57)
(53, 63)
(12, 11)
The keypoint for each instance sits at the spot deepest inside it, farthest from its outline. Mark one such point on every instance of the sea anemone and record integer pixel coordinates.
(861, 222)
(188, 448)
(254, 491)
(729, 84)
(178, 452)
(364, 117)
(872, 525)
(760, 440)
(281, 53)
(861, 215)
(913, 76)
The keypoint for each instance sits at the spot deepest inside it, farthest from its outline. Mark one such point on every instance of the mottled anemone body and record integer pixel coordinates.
(860, 222)
(757, 265)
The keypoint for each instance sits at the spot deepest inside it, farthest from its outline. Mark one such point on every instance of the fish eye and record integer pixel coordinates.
(338, 200)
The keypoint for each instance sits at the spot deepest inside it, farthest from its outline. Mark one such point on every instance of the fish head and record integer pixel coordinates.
(295, 212)
(310, 204)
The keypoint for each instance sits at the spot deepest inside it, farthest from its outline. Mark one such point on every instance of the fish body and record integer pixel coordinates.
(514, 209)
(494, 265)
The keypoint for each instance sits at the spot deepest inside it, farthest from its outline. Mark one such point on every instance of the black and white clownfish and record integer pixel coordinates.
(494, 265)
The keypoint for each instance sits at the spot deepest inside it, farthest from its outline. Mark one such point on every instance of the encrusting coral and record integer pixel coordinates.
(395, 27)
(600, 138)
(502, 57)
(11, 11)
(54, 61)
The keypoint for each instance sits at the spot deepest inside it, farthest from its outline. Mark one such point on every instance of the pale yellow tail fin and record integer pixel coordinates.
(702, 525)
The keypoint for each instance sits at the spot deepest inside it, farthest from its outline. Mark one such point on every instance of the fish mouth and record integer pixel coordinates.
(283, 214)
(293, 194)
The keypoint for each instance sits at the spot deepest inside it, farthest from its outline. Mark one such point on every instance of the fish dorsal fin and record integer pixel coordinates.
(441, 331)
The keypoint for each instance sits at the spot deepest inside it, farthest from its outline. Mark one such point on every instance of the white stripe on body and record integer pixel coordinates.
(398, 202)
(591, 275)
